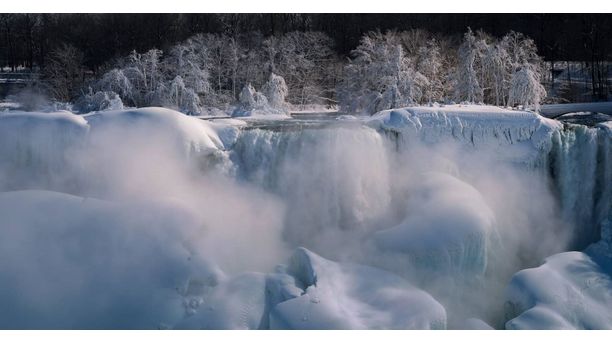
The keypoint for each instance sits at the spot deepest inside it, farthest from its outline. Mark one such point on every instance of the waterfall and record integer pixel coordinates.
(332, 179)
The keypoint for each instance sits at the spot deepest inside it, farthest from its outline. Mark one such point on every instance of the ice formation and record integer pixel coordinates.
(147, 218)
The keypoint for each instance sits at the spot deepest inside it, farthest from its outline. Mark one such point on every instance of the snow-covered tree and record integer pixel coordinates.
(276, 91)
(521, 50)
(467, 85)
(177, 81)
(144, 72)
(189, 60)
(98, 101)
(178, 96)
(251, 102)
(497, 69)
(380, 76)
(526, 89)
(306, 60)
(430, 64)
(117, 82)
(526, 65)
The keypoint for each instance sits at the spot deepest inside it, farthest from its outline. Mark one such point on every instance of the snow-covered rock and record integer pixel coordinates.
(349, 296)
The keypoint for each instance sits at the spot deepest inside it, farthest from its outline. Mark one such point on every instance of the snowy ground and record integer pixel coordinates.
(416, 218)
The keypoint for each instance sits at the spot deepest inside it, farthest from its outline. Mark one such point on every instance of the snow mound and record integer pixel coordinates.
(518, 136)
(70, 262)
(349, 296)
(571, 290)
(66, 152)
(190, 134)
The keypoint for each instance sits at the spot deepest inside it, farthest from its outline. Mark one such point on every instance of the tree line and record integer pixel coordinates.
(216, 71)
(27, 39)
(196, 62)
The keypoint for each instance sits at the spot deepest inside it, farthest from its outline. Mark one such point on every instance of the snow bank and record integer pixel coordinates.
(68, 262)
(571, 290)
(227, 130)
(349, 296)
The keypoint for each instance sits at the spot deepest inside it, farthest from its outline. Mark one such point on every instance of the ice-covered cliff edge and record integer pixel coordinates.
(517, 136)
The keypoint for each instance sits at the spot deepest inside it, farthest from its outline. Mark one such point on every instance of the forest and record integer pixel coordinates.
(199, 63)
